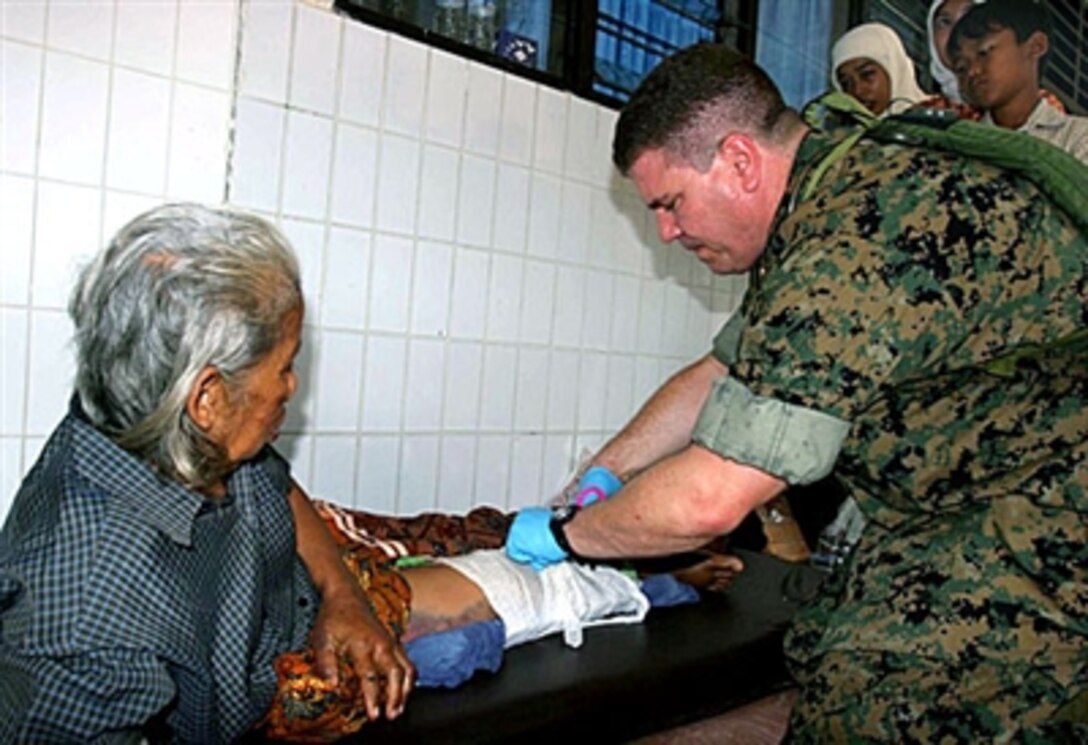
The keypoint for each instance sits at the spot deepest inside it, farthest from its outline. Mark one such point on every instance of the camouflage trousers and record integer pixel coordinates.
(886, 697)
(964, 627)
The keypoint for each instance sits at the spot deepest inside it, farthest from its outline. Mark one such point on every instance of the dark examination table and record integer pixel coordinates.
(681, 665)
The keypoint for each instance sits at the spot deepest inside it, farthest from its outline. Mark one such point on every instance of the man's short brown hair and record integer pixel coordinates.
(689, 102)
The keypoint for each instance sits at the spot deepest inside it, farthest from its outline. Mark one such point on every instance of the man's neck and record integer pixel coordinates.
(1015, 113)
(786, 156)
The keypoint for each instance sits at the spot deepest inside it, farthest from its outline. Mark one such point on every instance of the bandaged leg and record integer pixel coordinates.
(564, 597)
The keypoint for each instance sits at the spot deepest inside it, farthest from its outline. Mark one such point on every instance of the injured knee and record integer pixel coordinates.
(442, 599)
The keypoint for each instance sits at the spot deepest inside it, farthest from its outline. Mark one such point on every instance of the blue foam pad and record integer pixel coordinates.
(447, 659)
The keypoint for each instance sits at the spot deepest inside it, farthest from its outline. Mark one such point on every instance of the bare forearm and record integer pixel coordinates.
(346, 627)
(317, 548)
(678, 505)
(664, 424)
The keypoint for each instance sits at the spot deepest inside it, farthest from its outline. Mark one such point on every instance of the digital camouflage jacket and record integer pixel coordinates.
(916, 326)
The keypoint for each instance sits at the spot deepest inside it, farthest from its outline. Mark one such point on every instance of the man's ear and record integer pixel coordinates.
(1037, 45)
(205, 398)
(743, 159)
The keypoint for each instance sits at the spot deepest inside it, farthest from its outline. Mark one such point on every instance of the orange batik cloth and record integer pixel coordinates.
(306, 707)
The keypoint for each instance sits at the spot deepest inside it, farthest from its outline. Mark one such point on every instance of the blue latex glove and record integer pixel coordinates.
(598, 483)
(530, 540)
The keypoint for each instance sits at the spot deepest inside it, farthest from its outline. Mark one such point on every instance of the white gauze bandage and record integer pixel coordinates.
(565, 597)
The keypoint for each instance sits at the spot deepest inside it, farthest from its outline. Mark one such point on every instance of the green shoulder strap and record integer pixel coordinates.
(1059, 175)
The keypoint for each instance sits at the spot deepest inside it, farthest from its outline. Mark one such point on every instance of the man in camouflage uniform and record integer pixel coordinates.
(915, 323)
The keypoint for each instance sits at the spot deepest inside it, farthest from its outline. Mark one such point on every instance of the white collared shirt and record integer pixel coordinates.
(1066, 131)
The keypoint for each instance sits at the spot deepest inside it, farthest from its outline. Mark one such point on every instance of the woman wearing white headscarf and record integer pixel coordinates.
(943, 15)
(870, 64)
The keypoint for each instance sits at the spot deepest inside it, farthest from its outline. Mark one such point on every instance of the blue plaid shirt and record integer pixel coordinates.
(132, 607)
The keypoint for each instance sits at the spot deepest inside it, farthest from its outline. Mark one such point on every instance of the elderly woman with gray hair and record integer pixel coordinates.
(159, 560)
(162, 576)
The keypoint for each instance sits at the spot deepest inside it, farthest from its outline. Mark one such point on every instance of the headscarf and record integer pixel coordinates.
(882, 45)
(942, 76)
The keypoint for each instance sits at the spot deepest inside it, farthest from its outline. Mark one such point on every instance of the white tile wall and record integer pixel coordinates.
(21, 77)
(526, 471)
(334, 468)
(47, 392)
(518, 104)
(60, 244)
(544, 216)
(81, 26)
(76, 90)
(258, 154)
(13, 337)
(423, 383)
(314, 57)
(447, 86)
(145, 35)
(511, 208)
(390, 286)
(464, 372)
(379, 467)
(468, 306)
(139, 120)
(405, 86)
(456, 475)
(23, 21)
(482, 107)
(438, 193)
(16, 237)
(476, 200)
(362, 74)
(418, 487)
(484, 296)
(205, 46)
(264, 65)
(340, 357)
(11, 470)
(493, 468)
(431, 289)
(308, 154)
(398, 183)
(499, 384)
(346, 281)
(199, 140)
(354, 175)
(383, 384)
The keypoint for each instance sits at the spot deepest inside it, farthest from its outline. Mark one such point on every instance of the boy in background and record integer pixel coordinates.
(997, 49)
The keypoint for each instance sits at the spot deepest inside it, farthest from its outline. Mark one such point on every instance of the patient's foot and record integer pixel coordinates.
(442, 599)
(784, 538)
(715, 573)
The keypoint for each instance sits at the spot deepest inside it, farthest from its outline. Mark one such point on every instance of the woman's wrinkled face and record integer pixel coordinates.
(257, 408)
(867, 81)
(943, 21)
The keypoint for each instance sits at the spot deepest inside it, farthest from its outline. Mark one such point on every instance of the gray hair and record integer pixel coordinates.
(179, 288)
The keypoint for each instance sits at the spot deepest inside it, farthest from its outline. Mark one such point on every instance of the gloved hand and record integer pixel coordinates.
(530, 540)
(598, 483)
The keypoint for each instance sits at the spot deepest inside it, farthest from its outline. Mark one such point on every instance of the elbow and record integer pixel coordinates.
(722, 492)
(716, 510)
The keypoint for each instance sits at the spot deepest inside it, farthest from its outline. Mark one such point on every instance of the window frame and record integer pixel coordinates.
(578, 44)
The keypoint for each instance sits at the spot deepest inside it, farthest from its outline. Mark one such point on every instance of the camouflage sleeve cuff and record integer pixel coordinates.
(727, 341)
(791, 442)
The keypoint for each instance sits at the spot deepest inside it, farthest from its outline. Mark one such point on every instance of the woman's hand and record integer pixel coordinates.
(346, 628)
